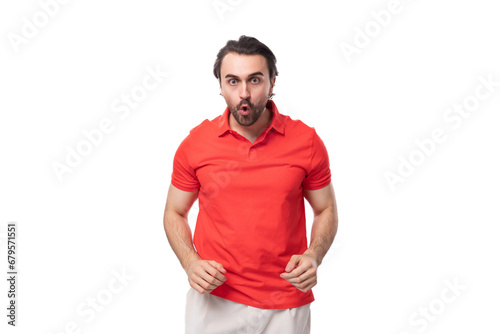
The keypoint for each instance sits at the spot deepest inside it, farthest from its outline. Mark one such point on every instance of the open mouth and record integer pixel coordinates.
(245, 110)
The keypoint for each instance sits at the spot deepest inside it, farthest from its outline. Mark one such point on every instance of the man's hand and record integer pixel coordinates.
(301, 272)
(204, 276)
(301, 269)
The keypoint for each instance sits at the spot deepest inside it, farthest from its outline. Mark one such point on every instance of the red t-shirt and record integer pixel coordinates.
(252, 217)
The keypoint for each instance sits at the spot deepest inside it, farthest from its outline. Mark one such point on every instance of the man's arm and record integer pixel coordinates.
(204, 276)
(301, 270)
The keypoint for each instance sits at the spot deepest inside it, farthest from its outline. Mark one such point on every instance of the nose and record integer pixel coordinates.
(244, 92)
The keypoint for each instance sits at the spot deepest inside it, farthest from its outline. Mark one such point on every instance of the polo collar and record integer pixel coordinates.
(277, 122)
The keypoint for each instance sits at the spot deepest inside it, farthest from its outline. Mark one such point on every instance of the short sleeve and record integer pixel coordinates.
(183, 174)
(319, 174)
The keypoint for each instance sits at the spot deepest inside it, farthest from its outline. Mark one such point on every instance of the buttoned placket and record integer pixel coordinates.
(248, 148)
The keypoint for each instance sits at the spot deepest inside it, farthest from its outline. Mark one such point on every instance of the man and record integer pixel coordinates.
(250, 269)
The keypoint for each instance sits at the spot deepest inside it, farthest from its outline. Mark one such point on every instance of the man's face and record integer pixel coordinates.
(245, 86)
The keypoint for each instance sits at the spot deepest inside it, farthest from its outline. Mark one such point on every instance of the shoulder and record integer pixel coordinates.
(201, 128)
(200, 131)
(209, 127)
(297, 128)
(201, 137)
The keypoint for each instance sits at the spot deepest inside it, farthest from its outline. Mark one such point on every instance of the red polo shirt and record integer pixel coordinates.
(252, 217)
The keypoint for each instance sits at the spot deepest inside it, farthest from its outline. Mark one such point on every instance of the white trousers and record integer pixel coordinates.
(208, 314)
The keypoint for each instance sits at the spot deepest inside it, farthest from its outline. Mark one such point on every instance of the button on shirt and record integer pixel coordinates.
(252, 215)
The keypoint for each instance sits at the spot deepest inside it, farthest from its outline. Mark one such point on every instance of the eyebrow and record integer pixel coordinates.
(251, 75)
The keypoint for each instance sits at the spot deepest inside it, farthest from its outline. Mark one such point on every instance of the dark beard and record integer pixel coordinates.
(255, 111)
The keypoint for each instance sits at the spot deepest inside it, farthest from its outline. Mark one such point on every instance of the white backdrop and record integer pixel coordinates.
(405, 95)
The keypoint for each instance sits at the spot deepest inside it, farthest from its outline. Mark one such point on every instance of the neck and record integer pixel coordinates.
(253, 131)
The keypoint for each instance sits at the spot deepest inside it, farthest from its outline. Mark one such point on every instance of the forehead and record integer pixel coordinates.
(243, 65)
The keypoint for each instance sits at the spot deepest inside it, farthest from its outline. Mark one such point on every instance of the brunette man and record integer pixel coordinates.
(250, 268)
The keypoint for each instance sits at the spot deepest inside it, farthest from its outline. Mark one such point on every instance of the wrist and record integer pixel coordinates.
(312, 253)
(190, 259)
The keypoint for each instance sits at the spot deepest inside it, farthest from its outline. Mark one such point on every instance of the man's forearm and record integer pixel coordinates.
(323, 232)
(179, 236)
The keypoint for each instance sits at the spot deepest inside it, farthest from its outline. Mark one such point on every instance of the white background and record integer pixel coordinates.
(395, 249)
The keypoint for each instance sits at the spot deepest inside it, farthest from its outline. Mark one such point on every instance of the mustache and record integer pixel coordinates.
(245, 102)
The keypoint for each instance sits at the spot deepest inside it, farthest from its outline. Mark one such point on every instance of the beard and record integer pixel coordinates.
(255, 111)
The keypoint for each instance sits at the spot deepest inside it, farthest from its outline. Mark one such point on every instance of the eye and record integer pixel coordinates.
(232, 82)
(255, 80)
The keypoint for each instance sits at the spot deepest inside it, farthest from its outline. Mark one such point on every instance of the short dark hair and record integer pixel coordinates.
(246, 46)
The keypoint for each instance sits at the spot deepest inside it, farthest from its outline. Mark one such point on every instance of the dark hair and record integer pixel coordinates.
(246, 46)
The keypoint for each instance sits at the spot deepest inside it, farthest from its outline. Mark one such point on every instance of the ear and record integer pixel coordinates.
(273, 82)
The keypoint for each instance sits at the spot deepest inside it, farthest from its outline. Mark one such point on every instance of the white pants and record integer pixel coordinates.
(208, 314)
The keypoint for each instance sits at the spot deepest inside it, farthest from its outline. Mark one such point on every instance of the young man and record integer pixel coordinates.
(250, 269)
